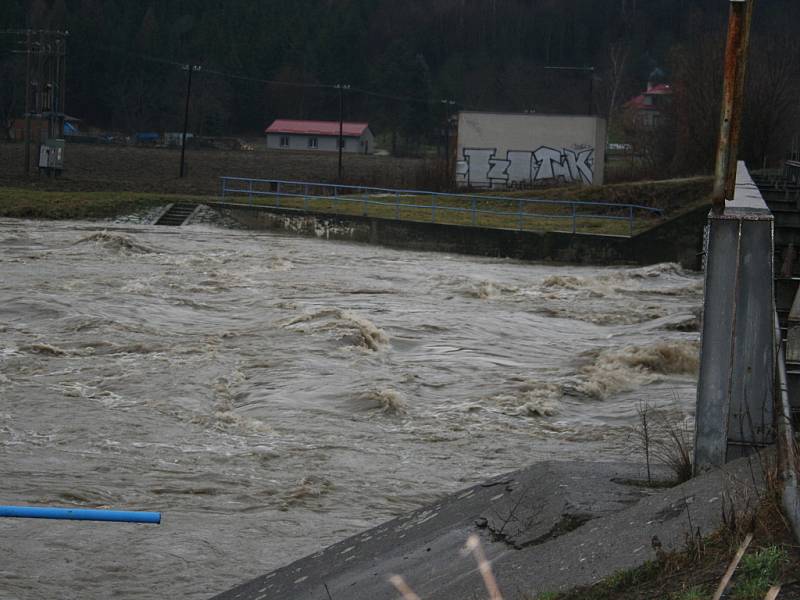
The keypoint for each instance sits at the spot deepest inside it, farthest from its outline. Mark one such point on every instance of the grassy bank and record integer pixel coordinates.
(34, 204)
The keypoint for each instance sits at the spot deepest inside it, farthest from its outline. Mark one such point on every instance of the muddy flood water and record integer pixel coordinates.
(272, 395)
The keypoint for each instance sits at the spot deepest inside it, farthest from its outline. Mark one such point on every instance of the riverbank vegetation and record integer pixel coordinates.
(24, 203)
(772, 558)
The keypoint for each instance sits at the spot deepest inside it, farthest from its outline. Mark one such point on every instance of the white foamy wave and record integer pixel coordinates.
(360, 331)
(224, 415)
(388, 401)
(533, 399)
(107, 398)
(625, 369)
(308, 488)
(658, 270)
(116, 242)
(489, 290)
(630, 315)
(281, 265)
(594, 286)
(45, 349)
(627, 280)
(224, 419)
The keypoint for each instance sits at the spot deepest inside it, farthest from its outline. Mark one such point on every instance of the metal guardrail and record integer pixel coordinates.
(788, 464)
(437, 203)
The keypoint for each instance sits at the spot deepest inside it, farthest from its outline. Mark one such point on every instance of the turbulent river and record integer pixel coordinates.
(272, 395)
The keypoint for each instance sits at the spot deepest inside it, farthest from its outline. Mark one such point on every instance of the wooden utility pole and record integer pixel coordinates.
(741, 16)
(191, 69)
(448, 105)
(28, 48)
(341, 89)
(45, 76)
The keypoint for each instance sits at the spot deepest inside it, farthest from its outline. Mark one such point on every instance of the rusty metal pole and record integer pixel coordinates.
(741, 14)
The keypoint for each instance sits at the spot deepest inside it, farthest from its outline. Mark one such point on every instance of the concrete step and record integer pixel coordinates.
(177, 214)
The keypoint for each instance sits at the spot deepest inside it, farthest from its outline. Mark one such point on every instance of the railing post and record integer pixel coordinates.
(223, 189)
(278, 197)
(519, 213)
(305, 197)
(630, 220)
(365, 209)
(474, 211)
(397, 205)
(250, 191)
(574, 218)
(433, 210)
(335, 196)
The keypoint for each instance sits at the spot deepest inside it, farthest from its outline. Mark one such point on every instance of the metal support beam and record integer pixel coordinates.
(741, 15)
(735, 392)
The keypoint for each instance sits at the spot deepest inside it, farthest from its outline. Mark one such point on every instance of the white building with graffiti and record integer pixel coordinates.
(511, 150)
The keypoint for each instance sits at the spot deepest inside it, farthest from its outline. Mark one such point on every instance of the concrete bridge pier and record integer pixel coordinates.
(735, 410)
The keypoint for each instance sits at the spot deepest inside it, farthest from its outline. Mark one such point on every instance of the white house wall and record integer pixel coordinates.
(324, 143)
(497, 150)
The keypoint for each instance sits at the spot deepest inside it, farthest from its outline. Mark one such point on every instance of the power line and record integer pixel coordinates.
(274, 82)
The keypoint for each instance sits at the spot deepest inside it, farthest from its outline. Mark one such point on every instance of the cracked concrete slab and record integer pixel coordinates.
(551, 526)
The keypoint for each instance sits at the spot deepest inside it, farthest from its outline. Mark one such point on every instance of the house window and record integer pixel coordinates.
(313, 142)
(284, 141)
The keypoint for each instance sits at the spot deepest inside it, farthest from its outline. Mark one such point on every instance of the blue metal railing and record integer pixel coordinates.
(563, 210)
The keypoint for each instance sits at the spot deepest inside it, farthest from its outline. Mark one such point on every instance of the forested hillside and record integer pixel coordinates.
(401, 58)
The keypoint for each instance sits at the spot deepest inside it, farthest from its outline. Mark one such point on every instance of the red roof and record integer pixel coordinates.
(641, 103)
(316, 127)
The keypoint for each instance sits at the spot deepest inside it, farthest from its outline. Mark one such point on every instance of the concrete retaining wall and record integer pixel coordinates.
(677, 240)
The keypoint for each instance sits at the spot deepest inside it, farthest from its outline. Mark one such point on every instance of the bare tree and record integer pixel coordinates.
(614, 77)
(697, 84)
(10, 92)
(772, 97)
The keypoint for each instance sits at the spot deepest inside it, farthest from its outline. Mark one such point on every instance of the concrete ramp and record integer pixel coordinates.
(549, 527)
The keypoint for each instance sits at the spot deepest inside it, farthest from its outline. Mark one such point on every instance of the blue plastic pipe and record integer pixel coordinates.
(80, 514)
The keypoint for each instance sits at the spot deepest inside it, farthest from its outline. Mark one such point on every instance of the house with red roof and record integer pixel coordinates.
(646, 110)
(322, 136)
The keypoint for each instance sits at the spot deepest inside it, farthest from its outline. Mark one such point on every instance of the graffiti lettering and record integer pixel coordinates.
(481, 167)
(477, 165)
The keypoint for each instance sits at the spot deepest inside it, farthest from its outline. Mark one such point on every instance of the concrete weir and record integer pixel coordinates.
(678, 239)
(549, 527)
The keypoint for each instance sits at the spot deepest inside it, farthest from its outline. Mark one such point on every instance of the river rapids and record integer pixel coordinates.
(272, 394)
